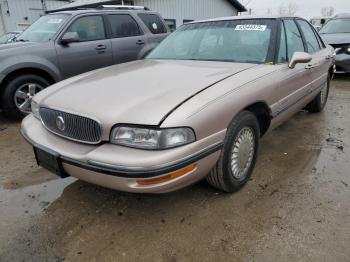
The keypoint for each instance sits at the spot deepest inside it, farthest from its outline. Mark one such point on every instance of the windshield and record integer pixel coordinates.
(43, 29)
(245, 41)
(336, 26)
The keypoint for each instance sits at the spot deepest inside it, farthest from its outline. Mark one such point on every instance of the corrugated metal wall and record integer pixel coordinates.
(18, 14)
(189, 9)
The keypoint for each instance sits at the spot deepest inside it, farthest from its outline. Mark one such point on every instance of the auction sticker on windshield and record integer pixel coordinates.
(55, 21)
(250, 27)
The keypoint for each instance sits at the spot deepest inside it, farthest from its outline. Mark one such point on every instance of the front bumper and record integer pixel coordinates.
(120, 167)
(342, 63)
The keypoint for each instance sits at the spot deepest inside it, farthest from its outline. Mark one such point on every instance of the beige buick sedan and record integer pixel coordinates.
(195, 108)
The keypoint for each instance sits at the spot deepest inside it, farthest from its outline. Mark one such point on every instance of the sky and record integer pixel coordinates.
(306, 8)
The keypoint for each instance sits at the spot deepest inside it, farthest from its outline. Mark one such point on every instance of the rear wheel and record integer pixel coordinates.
(18, 93)
(239, 154)
(320, 101)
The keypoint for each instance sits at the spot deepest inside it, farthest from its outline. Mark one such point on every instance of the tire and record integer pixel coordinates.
(222, 175)
(318, 104)
(10, 103)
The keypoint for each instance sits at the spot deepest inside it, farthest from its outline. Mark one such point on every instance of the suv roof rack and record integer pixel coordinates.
(123, 7)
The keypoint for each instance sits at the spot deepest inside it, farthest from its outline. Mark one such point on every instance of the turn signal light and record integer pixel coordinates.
(168, 177)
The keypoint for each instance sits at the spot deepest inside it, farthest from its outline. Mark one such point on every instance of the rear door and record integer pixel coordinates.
(296, 82)
(93, 51)
(127, 38)
(318, 67)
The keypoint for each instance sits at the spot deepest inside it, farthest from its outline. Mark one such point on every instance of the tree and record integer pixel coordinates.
(327, 11)
(292, 8)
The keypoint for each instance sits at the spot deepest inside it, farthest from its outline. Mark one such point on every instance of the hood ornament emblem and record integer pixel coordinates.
(61, 125)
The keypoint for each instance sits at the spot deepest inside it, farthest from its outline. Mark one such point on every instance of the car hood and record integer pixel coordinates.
(141, 92)
(12, 45)
(336, 39)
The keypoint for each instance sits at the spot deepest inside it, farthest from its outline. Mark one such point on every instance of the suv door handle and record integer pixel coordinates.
(140, 42)
(101, 47)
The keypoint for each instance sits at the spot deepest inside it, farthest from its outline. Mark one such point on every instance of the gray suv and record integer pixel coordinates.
(64, 44)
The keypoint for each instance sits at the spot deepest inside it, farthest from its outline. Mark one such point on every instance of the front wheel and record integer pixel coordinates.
(19, 92)
(318, 104)
(239, 155)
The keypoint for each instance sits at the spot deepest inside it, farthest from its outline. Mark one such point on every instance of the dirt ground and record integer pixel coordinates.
(295, 208)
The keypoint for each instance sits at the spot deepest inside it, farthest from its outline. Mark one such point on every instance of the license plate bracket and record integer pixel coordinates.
(50, 160)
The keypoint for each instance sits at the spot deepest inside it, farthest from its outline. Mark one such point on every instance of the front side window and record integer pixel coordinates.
(336, 26)
(310, 37)
(123, 26)
(44, 29)
(294, 39)
(153, 23)
(171, 23)
(88, 28)
(246, 41)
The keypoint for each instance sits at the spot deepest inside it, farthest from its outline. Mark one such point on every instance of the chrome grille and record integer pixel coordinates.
(74, 127)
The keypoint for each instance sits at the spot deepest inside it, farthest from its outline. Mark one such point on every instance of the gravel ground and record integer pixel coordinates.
(295, 208)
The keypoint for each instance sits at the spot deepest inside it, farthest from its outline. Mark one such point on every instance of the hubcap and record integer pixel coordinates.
(24, 95)
(323, 94)
(242, 152)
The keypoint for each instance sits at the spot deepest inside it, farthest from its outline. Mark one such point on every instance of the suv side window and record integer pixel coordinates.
(310, 37)
(89, 28)
(294, 39)
(282, 54)
(123, 25)
(154, 23)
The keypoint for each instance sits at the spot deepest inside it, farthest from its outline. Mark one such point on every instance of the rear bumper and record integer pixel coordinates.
(342, 63)
(121, 168)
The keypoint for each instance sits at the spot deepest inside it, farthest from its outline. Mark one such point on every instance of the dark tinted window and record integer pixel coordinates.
(154, 23)
(310, 37)
(282, 55)
(294, 39)
(89, 28)
(123, 26)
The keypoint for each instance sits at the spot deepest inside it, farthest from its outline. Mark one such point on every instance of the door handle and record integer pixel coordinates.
(309, 66)
(140, 42)
(101, 47)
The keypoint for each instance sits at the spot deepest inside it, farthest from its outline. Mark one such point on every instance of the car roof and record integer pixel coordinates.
(344, 15)
(94, 10)
(246, 17)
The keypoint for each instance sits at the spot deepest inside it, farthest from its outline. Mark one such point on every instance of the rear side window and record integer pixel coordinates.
(294, 39)
(154, 23)
(123, 26)
(310, 37)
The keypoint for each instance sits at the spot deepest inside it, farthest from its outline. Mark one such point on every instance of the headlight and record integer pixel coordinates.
(152, 138)
(35, 109)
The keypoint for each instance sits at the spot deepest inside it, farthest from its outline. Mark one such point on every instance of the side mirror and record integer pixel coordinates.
(70, 37)
(299, 58)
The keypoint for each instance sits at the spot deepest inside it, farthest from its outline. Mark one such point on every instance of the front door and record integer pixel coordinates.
(297, 82)
(93, 50)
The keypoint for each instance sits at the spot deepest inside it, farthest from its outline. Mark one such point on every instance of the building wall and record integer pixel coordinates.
(18, 14)
(189, 9)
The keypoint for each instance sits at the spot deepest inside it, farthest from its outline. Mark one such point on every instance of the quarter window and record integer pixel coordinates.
(123, 26)
(310, 37)
(294, 39)
(153, 23)
(89, 28)
(171, 23)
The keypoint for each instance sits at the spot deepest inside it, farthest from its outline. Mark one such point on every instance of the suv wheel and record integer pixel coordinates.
(19, 92)
(239, 154)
